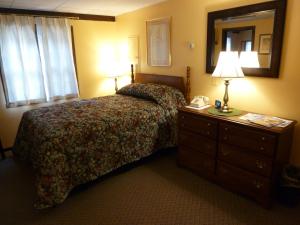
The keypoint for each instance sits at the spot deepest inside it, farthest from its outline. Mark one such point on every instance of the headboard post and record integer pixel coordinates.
(132, 74)
(188, 85)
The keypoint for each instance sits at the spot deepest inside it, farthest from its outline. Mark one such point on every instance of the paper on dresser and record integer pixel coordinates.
(267, 121)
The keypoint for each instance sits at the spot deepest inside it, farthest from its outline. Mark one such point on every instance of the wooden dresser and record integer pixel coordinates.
(239, 155)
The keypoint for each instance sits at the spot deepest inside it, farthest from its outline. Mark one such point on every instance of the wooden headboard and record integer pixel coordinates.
(173, 81)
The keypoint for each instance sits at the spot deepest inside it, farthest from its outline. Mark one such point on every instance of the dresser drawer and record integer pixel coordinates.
(242, 181)
(248, 138)
(196, 161)
(249, 161)
(198, 124)
(197, 142)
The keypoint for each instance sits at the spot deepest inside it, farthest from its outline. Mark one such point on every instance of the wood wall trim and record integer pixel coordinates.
(58, 14)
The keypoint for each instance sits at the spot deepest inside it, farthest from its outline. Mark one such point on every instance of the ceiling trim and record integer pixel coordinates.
(58, 14)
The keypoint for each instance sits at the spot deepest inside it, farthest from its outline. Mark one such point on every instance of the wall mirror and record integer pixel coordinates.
(255, 31)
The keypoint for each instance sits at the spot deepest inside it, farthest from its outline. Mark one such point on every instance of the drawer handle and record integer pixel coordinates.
(224, 171)
(206, 164)
(258, 184)
(263, 138)
(208, 133)
(225, 153)
(225, 138)
(260, 164)
(182, 138)
(208, 124)
(226, 128)
(262, 148)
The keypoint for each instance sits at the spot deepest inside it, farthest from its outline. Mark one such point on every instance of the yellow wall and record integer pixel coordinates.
(94, 43)
(98, 57)
(278, 97)
(95, 47)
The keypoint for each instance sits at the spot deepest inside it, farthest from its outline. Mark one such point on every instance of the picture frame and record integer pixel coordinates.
(159, 42)
(265, 44)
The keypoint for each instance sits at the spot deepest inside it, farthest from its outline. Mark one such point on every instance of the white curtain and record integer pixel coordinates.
(37, 59)
(57, 57)
(21, 67)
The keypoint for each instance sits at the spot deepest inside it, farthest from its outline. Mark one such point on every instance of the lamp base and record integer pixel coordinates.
(116, 84)
(225, 109)
(218, 112)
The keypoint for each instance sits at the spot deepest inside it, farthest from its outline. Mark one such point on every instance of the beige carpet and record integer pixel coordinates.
(155, 192)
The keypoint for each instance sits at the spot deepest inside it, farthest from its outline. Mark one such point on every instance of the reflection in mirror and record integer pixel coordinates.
(246, 33)
(238, 38)
(249, 59)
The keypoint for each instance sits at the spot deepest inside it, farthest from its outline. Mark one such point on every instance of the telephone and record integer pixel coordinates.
(199, 101)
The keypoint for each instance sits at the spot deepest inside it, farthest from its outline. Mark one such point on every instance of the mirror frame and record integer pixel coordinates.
(279, 21)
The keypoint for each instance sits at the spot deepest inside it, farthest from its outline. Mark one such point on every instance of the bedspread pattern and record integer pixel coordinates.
(72, 143)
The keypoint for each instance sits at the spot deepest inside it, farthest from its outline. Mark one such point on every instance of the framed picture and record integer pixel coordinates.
(265, 44)
(158, 42)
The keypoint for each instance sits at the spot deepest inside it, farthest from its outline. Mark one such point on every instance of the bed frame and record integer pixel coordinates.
(173, 81)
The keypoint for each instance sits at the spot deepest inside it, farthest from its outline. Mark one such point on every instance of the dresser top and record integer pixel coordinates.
(237, 120)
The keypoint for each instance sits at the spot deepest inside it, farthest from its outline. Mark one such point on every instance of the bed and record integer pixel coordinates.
(76, 142)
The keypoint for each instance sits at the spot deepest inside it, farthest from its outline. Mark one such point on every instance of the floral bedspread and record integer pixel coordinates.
(72, 143)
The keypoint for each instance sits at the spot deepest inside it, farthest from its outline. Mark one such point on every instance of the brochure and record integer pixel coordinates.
(267, 121)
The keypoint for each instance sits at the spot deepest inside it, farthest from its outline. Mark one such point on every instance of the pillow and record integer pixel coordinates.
(166, 96)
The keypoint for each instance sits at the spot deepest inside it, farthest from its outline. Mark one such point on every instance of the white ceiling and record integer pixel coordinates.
(97, 7)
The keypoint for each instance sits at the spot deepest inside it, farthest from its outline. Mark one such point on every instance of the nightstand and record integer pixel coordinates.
(239, 155)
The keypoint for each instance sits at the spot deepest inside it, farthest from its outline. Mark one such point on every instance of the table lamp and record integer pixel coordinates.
(115, 76)
(228, 67)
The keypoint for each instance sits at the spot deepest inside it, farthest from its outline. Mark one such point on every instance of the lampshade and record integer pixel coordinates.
(249, 59)
(228, 65)
(113, 75)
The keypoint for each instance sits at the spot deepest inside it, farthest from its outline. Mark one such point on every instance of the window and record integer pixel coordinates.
(36, 60)
(247, 46)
